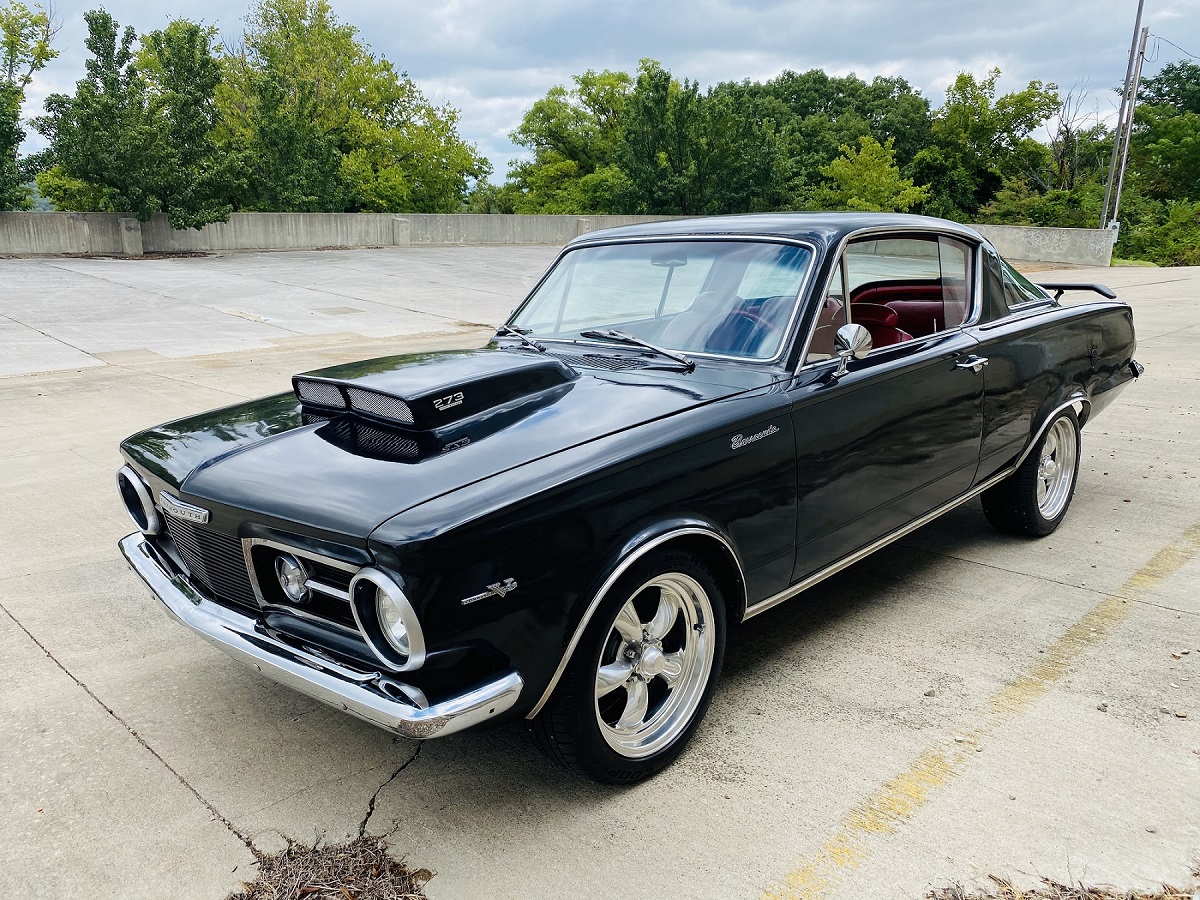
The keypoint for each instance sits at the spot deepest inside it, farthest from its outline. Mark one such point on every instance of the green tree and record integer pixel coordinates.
(980, 138)
(102, 139)
(137, 135)
(304, 87)
(574, 136)
(867, 180)
(25, 35)
(182, 74)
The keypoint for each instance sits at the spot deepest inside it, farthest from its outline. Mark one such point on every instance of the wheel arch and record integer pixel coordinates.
(1076, 400)
(696, 535)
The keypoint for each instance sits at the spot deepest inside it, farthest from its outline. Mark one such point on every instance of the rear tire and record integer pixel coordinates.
(1035, 498)
(642, 675)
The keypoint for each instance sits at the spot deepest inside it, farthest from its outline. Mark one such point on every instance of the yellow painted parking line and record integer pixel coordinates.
(894, 803)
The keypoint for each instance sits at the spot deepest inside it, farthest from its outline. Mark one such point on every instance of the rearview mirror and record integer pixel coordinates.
(851, 342)
(669, 259)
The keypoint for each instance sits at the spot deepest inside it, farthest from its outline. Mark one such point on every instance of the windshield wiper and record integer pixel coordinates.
(613, 335)
(521, 336)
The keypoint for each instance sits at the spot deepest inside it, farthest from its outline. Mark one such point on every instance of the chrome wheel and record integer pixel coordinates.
(655, 665)
(1056, 469)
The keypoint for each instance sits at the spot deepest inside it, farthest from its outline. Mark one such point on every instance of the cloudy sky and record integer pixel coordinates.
(493, 58)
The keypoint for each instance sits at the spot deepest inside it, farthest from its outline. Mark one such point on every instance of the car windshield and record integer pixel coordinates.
(725, 297)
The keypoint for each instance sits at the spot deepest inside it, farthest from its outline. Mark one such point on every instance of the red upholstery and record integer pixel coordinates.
(920, 316)
(886, 335)
(873, 314)
(884, 293)
(881, 321)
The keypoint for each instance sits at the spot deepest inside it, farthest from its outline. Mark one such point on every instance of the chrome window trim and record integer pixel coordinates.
(621, 568)
(849, 560)
(788, 330)
(973, 240)
(154, 521)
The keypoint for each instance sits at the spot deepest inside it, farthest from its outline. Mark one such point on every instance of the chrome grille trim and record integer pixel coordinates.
(214, 560)
(331, 577)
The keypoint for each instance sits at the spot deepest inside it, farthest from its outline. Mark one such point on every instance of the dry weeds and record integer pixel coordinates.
(1051, 890)
(359, 870)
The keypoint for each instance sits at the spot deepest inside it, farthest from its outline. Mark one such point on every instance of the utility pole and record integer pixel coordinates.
(1126, 102)
(1137, 80)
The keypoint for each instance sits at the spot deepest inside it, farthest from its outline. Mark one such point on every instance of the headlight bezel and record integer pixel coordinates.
(141, 501)
(370, 588)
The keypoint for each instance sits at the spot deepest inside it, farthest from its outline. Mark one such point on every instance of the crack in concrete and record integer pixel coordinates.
(362, 826)
(216, 814)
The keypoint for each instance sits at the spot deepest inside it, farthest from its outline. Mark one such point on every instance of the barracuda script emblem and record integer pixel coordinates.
(738, 441)
(499, 589)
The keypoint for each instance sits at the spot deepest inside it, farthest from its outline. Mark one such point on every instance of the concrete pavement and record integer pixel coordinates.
(927, 716)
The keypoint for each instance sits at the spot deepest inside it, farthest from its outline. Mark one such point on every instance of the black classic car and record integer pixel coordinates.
(683, 425)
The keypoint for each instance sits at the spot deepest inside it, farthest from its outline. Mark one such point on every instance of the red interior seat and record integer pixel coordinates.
(920, 316)
(881, 321)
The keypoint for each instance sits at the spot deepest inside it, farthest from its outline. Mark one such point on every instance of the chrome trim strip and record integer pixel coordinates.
(616, 573)
(788, 331)
(154, 522)
(385, 703)
(846, 561)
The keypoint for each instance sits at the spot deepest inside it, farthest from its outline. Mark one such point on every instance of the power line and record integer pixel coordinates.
(1158, 37)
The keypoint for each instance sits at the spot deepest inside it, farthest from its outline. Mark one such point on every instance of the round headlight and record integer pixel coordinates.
(293, 577)
(139, 505)
(391, 619)
(387, 621)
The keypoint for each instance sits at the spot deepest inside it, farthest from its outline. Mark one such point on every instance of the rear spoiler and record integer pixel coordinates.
(1061, 286)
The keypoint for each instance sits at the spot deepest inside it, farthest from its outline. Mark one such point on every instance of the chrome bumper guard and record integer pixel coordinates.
(243, 638)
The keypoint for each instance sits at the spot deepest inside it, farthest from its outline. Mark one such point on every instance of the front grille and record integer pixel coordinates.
(215, 561)
(596, 361)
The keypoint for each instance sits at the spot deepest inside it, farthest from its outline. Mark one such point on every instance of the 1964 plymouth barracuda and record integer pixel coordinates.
(683, 425)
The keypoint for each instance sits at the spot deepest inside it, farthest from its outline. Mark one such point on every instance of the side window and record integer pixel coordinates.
(830, 317)
(895, 287)
(958, 279)
(1019, 290)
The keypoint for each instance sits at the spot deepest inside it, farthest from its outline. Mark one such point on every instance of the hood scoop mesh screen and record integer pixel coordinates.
(373, 403)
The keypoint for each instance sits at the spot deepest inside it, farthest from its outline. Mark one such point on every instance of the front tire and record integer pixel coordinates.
(1034, 499)
(643, 674)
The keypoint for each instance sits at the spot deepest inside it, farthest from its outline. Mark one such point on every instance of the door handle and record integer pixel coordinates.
(974, 363)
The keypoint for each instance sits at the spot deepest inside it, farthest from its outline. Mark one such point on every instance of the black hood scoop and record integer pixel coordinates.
(433, 392)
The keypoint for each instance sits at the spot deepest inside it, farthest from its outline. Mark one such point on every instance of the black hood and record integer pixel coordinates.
(345, 471)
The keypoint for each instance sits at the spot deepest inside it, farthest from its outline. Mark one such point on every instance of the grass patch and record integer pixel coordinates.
(1003, 889)
(1117, 262)
(359, 870)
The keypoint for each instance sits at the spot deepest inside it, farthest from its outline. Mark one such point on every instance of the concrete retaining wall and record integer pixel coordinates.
(1077, 246)
(33, 233)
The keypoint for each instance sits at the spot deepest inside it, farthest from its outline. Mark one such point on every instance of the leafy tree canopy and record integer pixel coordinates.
(25, 36)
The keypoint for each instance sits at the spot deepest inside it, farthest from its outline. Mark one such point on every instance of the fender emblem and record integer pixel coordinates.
(499, 589)
(739, 440)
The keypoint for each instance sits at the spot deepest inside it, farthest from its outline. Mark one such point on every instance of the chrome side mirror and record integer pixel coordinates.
(851, 342)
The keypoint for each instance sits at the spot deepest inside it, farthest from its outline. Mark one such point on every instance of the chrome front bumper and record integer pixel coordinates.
(359, 693)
